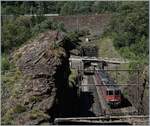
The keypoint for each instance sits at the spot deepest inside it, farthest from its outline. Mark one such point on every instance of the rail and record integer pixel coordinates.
(111, 85)
(104, 119)
(99, 59)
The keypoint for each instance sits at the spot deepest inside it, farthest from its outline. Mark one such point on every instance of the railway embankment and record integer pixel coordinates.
(139, 94)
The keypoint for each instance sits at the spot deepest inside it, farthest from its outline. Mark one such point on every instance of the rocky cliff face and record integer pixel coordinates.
(43, 76)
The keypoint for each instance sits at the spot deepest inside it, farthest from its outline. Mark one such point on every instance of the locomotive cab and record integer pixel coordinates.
(113, 97)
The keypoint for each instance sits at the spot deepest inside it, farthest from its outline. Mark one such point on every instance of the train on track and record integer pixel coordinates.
(110, 90)
(89, 70)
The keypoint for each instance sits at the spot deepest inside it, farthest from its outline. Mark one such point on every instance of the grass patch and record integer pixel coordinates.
(5, 63)
(37, 114)
(17, 56)
(146, 92)
(106, 48)
(72, 78)
(121, 77)
(125, 94)
(19, 109)
(35, 98)
(8, 119)
(10, 80)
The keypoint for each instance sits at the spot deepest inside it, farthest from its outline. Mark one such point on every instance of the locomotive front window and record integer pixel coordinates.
(117, 92)
(107, 92)
(110, 92)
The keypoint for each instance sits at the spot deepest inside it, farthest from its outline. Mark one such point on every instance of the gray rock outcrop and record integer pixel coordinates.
(44, 69)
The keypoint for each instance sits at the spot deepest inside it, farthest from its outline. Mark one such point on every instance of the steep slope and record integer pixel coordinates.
(43, 69)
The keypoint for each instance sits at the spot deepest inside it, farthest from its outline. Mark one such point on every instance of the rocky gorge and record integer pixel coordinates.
(43, 69)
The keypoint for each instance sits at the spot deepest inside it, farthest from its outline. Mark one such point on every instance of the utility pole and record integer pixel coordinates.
(77, 24)
(77, 19)
(5, 13)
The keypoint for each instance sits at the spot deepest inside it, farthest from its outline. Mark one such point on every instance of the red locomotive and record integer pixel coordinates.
(110, 90)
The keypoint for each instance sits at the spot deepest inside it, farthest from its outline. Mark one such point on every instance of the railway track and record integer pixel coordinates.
(95, 113)
(107, 110)
(90, 105)
(96, 105)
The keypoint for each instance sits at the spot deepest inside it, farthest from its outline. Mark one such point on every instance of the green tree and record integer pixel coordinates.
(129, 28)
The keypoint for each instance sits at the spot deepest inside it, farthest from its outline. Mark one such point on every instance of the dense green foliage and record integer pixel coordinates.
(60, 7)
(14, 32)
(25, 7)
(5, 63)
(129, 30)
(17, 30)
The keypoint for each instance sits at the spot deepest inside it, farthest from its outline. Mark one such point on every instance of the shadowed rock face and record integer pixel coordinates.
(41, 65)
